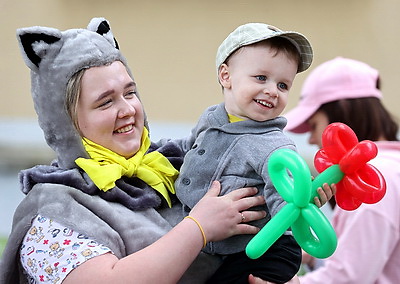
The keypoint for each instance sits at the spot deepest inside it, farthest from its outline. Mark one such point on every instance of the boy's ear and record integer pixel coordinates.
(224, 76)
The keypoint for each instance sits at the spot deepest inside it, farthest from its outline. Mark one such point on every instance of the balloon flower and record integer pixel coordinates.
(342, 160)
(299, 213)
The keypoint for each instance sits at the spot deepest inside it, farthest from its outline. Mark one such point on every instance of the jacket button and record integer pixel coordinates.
(186, 181)
(201, 151)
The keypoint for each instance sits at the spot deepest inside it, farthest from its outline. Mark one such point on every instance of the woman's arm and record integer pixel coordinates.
(166, 260)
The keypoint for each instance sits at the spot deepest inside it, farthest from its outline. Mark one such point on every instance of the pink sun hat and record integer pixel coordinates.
(339, 78)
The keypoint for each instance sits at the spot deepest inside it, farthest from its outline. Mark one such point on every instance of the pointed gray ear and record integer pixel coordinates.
(102, 27)
(34, 42)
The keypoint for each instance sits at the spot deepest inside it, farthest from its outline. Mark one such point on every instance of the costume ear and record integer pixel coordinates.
(34, 43)
(102, 27)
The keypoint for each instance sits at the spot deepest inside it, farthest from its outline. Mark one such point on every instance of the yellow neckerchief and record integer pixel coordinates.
(233, 118)
(106, 166)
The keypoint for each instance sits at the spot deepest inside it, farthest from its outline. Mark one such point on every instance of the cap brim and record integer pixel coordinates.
(303, 46)
(297, 118)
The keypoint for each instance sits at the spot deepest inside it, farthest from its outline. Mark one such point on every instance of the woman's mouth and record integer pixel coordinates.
(124, 129)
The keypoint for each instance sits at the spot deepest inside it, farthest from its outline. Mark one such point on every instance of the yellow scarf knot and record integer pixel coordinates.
(105, 167)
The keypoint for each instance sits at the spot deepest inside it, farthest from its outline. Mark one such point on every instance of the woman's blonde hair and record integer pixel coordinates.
(72, 95)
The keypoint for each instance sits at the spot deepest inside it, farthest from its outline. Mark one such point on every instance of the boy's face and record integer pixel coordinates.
(256, 82)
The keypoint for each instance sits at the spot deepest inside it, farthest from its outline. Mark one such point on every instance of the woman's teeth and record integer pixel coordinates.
(124, 129)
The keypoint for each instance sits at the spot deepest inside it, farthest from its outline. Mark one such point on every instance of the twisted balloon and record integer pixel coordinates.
(342, 160)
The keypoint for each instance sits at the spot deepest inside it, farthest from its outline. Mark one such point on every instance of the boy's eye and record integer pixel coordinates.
(261, 77)
(282, 86)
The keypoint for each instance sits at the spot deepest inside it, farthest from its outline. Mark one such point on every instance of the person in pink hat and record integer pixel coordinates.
(348, 91)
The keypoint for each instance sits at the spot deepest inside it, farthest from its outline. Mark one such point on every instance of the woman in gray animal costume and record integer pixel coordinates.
(112, 209)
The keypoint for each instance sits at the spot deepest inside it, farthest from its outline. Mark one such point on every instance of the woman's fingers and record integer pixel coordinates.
(255, 280)
(245, 198)
(241, 193)
(246, 229)
(214, 190)
(249, 216)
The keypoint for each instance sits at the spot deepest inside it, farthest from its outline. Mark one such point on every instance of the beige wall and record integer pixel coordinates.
(171, 45)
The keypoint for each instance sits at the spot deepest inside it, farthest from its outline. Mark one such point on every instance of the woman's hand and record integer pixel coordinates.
(325, 193)
(224, 216)
(256, 280)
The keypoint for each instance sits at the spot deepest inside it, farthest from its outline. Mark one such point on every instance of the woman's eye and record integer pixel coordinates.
(130, 94)
(105, 103)
(261, 77)
(282, 86)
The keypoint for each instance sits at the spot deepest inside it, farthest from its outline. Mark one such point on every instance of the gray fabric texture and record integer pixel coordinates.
(236, 154)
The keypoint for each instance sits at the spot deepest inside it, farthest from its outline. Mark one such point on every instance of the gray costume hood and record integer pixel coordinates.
(53, 57)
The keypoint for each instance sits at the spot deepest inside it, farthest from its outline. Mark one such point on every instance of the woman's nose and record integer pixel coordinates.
(311, 139)
(126, 109)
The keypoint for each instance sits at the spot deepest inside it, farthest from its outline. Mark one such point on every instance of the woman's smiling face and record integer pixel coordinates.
(109, 112)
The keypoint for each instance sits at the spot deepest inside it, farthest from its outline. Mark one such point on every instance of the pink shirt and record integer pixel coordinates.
(368, 238)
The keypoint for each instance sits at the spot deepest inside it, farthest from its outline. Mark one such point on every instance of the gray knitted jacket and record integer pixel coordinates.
(236, 154)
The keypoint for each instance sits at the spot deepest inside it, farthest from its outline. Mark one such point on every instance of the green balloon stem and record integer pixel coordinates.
(333, 174)
(263, 240)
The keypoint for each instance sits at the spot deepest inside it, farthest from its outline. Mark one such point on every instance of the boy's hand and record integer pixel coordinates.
(325, 193)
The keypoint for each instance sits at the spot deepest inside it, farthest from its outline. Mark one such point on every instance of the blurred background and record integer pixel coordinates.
(171, 47)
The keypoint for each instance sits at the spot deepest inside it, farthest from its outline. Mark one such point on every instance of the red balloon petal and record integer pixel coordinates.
(344, 199)
(337, 140)
(358, 156)
(367, 184)
(321, 161)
